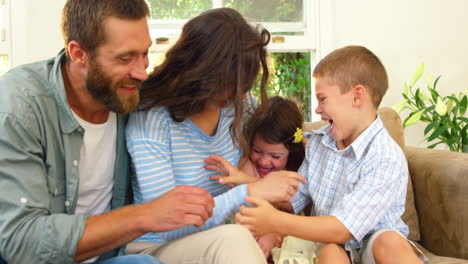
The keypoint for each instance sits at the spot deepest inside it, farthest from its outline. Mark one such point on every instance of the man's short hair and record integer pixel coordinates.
(83, 20)
(351, 66)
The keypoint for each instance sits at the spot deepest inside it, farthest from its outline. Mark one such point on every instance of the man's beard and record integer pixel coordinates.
(100, 87)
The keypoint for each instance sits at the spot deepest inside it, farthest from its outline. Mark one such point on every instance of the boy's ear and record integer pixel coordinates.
(77, 54)
(359, 93)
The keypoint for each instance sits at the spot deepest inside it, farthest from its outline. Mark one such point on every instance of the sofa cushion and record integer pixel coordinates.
(392, 123)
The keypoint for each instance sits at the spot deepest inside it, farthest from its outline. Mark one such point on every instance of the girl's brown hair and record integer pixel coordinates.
(218, 53)
(276, 124)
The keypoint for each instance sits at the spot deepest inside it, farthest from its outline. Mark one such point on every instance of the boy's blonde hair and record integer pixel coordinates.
(351, 66)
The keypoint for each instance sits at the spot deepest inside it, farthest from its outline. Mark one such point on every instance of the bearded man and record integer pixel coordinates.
(64, 166)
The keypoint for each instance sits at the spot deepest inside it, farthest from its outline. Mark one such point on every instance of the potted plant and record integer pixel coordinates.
(444, 115)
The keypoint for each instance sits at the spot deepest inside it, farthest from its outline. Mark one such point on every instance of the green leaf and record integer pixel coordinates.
(413, 118)
(449, 106)
(434, 145)
(430, 127)
(463, 104)
(419, 102)
(464, 119)
(405, 88)
(438, 132)
(441, 108)
(436, 82)
(417, 74)
(424, 96)
(400, 106)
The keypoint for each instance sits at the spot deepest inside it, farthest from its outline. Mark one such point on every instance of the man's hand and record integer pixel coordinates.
(229, 174)
(181, 206)
(276, 186)
(258, 219)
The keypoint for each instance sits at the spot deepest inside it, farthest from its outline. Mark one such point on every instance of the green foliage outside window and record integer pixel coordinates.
(260, 10)
(290, 76)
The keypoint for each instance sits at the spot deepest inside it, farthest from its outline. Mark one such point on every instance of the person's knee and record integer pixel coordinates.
(332, 253)
(329, 249)
(235, 233)
(388, 242)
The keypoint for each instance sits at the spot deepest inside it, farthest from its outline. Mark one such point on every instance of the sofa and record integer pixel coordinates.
(437, 197)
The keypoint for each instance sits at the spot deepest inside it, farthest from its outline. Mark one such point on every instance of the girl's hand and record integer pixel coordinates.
(258, 219)
(229, 174)
(267, 242)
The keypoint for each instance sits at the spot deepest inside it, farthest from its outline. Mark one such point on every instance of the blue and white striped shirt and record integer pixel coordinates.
(166, 154)
(364, 185)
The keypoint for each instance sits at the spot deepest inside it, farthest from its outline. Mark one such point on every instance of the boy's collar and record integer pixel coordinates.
(359, 144)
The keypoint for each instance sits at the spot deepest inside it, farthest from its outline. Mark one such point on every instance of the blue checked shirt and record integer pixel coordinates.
(363, 185)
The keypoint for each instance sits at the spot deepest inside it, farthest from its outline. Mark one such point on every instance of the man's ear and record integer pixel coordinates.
(76, 53)
(359, 94)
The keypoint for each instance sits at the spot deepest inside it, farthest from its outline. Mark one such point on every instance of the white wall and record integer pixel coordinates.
(35, 33)
(403, 33)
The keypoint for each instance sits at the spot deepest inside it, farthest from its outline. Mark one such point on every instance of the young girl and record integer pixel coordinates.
(275, 136)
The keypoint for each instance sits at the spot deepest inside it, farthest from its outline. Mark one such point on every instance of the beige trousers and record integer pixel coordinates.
(223, 244)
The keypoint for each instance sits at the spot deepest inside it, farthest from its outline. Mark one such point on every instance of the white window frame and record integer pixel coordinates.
(297, 43)
(5, 30)
(310, 41)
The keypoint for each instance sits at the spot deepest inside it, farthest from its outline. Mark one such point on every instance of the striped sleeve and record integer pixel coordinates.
(226, 204)
(150, 156)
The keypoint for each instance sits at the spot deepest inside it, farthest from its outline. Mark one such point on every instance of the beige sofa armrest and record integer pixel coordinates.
(440, 182)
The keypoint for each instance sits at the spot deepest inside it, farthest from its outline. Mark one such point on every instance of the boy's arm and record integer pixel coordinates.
(379, 192)
(264, 218)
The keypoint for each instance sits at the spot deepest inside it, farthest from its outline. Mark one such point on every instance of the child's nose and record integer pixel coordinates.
(264, 162)
(318, 109)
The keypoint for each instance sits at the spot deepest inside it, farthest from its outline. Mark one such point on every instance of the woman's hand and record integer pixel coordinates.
(229, 174)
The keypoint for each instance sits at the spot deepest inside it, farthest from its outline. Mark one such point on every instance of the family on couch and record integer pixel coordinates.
(72, 161)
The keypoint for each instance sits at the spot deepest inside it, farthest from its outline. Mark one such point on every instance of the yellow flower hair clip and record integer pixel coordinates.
(297, 136)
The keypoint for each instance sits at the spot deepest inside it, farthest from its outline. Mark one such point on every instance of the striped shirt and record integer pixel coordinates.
(166, 154)
(363, 185)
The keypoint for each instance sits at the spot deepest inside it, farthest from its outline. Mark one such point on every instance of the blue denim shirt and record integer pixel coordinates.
(40, 143)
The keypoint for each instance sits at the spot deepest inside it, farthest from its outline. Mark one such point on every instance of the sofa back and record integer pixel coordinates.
(392, 123)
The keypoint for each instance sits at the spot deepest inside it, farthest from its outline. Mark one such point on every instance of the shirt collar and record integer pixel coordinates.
(67, 120)
(359, 145)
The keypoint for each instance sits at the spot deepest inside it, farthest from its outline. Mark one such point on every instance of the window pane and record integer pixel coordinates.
(180, 9)
(290, 77)
(4, 65)
(269, 10)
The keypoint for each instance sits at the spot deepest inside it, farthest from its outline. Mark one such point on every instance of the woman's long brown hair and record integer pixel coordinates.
(218, 53)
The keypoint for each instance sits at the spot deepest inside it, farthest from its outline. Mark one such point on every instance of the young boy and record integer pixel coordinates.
(356, 174)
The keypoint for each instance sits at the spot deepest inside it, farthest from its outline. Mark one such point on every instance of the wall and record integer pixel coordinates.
(35, 30)
(403, 34)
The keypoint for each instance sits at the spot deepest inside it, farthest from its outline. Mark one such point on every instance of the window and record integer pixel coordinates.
(4, 36)
(292, 48)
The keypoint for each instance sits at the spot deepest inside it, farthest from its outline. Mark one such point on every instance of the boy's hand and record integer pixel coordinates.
(258, 219)
(229, 174)
(276, 186)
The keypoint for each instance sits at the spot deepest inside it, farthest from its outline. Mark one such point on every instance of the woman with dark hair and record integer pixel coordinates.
(193, 106)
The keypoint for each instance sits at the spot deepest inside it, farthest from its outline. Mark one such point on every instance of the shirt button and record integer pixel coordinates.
(23, 200)
(67, 203)
(80, 129)
(75, 163)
